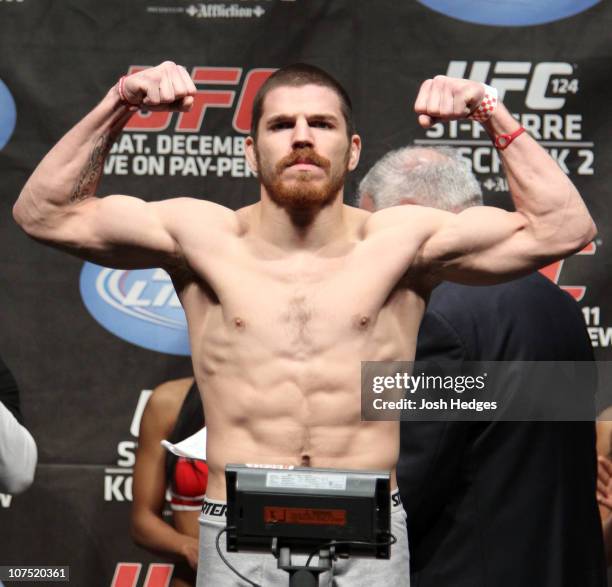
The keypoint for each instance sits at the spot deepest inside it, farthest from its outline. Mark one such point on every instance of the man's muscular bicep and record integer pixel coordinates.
(116, 231)
(483, 245)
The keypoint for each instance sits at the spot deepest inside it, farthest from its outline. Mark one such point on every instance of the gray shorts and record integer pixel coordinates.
(262, 567)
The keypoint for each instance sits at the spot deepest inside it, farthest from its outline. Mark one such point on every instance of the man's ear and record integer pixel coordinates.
(354, 152)
(249, 153)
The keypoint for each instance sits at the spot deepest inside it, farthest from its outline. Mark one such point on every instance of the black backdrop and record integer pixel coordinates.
(85, 345)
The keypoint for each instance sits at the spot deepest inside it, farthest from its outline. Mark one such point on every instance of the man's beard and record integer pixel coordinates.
(302, 192)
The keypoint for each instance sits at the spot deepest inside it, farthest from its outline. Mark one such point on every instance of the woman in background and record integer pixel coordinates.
(173, 412)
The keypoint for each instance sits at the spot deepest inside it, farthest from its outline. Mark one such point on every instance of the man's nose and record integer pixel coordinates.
(302, 135)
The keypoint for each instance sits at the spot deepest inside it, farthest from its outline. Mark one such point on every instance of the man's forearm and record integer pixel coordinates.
(551, 213)
(539, 188)
(71, 171)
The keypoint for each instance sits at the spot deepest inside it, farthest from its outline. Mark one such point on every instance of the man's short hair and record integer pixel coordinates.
(434, 176)
(302, 74)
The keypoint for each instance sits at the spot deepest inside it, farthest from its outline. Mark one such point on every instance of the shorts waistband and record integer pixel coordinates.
(216, 509)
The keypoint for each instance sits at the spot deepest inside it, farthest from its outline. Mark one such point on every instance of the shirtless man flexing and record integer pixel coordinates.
(286, 297)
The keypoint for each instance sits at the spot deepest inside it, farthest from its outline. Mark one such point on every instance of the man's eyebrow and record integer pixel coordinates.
(279, 118)
(291, 117)
(326, 117)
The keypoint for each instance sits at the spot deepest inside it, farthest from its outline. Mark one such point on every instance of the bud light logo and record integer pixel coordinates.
(139, 306)
(509, 12)
(8, 115)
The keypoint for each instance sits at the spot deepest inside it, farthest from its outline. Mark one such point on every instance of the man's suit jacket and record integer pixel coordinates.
(496, 504)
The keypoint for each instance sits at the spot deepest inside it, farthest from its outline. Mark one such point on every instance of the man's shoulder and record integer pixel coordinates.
(528, 300)
(198, 225)
(189, 210)
(531, 318)
(524, 290)
(406, 215)
(535, 292)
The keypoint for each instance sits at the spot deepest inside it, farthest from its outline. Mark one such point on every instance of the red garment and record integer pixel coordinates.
(188, 485)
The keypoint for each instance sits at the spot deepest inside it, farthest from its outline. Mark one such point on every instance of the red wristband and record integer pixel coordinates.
(502, 141)
(120, 90)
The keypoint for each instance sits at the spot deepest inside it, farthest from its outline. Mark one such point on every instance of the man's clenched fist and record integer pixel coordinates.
(447, 98)
(165, 87)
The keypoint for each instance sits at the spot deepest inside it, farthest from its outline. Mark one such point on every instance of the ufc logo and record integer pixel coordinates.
(553, 272)
(516, 79)
(126, 575)
(207, 97)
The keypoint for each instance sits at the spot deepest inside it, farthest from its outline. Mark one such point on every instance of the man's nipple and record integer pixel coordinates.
(362, 322)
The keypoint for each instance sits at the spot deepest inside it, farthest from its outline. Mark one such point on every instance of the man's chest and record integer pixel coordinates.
(301, 309)
(364, 273)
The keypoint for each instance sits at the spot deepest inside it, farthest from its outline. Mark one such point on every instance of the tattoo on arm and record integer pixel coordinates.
(90, 175)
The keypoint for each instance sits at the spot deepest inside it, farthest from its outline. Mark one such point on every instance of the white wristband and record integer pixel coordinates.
(487, 106)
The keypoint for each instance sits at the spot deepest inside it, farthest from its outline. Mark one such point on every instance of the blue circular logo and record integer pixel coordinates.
(8, 114)
(509, 12)
(139, 306)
